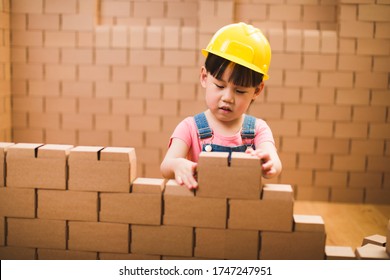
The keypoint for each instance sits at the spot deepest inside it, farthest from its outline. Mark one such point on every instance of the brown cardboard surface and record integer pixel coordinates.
(24, 150)
(36, 233)
(162, 240)
(15, 202)
(112, 173)
(98, 237)
(182, 208)
(17, 253)
(3, 151)
(28, 168)
(228, 182)
(271, 215)
(339, 253)
(116, 256)
(278, 192)
(292, 245)
(131, 208)
(51, 254)
(372, 252)
(67, 205)
(376, 239)
(148, 185)
(226, 244)
(312, 223)
(2, 231)
(173, 188)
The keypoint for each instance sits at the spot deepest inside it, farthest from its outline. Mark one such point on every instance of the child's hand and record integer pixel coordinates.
(267, 164)
(184, 174)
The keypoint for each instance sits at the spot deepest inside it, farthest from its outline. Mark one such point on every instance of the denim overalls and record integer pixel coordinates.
(205, 132)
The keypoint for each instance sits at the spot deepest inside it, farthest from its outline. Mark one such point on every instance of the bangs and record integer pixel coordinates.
(240, 76)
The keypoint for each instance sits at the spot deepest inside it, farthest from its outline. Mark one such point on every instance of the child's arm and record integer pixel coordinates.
(270, 163)
(175, 165)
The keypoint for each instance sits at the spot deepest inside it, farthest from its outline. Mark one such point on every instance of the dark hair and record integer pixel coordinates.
(241, 75)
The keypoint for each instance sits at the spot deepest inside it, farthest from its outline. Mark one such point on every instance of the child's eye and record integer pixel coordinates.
(219, 86)
(240, 91)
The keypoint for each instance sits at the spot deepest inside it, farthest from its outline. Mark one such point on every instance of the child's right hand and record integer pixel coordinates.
(184, 173)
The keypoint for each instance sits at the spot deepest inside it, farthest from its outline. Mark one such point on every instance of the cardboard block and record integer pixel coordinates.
(111, 169)
(131, 208)
(182, 208)
(2, 231)
(311, 223)
(148, 185)
(98, 237)
(388, 238)
(67, 205)
(116, 256)
(52, 254)
(242, 179)
(17, 253)
(270, 215)
(302, 245)
(339, 253)
(15, 202)
(226, 244)
(162, 240)
(372, 252)
(37, 166)
(36, 233)
(376, 239)
(278, 192)
(3, 151)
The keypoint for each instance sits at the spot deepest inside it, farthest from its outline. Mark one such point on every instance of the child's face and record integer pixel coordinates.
(227, 101)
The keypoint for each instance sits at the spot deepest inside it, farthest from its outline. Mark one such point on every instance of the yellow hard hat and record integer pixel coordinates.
(243, 44)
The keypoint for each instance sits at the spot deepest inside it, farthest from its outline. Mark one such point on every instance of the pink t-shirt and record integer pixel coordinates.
(188, 132)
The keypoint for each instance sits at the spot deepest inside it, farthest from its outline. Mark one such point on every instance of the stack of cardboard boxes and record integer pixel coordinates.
(65, 202)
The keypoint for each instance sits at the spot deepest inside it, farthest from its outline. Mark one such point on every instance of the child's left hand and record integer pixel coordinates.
(267, 164)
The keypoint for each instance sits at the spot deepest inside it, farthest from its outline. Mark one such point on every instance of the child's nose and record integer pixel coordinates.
(228, 95)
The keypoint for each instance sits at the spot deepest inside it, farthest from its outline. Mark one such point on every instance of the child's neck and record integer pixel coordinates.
(224, 128)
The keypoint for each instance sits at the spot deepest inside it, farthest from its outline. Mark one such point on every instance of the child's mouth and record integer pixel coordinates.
(225, 109)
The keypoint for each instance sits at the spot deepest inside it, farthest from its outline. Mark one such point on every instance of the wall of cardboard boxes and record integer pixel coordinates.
(124, 73)
(86, 202)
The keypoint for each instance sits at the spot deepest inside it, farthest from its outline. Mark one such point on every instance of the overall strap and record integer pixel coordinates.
(204, 130)
(248, 127)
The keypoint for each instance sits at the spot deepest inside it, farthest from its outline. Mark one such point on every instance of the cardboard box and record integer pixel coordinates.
(116, 256)
(148, 185)
(274, 212)
(131, 208)
(226, 244)
(15, 202)
(278, 192)
(312, 223)
(339, 253)
(372, 252)
(98, 237)
(67, 205)
(52, 254)
(162, 240)
(104, 170)
(239, 179)
(36, 233)
(376, 239)
(37, 166)
(292, 245)
(17, 253)
(182, 208)
(3, 151)
(307, 242)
